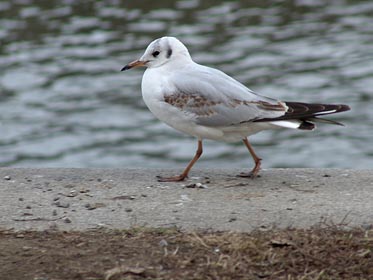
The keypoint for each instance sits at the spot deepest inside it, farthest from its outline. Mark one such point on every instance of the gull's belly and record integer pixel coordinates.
(180, 121)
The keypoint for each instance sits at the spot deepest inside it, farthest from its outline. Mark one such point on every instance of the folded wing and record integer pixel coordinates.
(214, 99)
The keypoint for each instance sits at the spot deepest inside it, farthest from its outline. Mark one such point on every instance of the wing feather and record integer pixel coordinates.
(215, 99)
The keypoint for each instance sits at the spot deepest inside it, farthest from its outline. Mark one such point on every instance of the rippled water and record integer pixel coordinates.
(64, 102)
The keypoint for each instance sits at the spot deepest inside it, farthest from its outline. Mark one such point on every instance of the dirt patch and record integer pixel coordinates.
(322, 253)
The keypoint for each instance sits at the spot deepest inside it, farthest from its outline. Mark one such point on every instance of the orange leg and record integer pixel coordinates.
(183, 175)
(253, 173)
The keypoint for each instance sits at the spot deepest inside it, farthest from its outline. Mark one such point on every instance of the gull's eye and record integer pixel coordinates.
(155, 54)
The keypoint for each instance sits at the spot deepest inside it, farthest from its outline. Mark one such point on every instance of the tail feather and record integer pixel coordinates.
(307, 113)
(307, 125)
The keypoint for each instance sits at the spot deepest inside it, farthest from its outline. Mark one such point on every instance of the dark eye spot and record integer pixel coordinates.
(169, 53)
(155, 54)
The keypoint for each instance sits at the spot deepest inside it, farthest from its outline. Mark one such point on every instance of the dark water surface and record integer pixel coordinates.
(64, 102)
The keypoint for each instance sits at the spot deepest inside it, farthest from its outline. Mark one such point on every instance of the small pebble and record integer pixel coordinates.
(196, 185)
(90, 206)
(128, 210)
(54, 213)
(84, 191)
(20, 199)
(28, 207)
(67, 220)
(62, 204)
(72, 193)
(93, 206)
(7, 178)
(201, 186)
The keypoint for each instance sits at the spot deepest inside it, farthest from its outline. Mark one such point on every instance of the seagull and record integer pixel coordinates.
(208, 104)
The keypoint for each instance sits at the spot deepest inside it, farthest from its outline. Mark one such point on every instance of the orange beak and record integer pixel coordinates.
(133, 64)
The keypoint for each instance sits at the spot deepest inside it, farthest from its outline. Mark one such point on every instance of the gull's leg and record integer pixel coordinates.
(183, 175)
(253, 173)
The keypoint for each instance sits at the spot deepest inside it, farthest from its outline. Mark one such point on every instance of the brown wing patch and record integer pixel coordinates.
(176, 100)
(197, 103)
(181, 100)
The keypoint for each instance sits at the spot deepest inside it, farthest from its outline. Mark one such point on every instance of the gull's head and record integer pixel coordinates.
(161, 51)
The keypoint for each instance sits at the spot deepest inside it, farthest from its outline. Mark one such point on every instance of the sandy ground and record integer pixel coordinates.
(81, 199)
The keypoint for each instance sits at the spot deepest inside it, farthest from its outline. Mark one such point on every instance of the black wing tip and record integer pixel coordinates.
(306, 110)
(343, 108)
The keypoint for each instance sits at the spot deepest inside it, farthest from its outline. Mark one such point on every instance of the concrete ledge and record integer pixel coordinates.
(80, 199)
